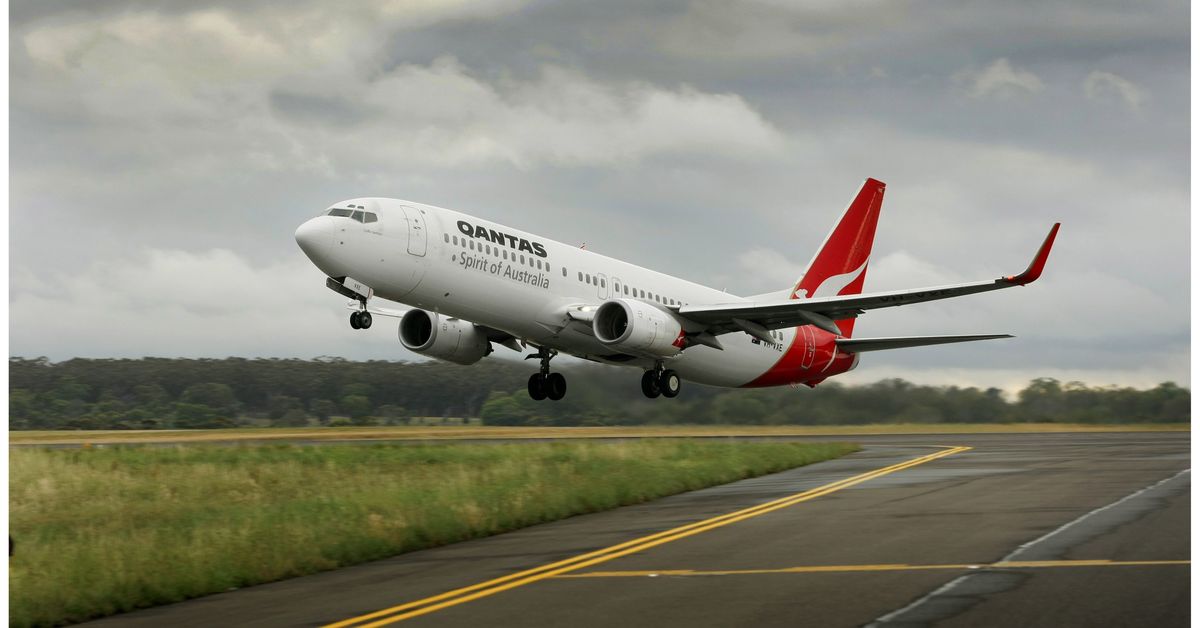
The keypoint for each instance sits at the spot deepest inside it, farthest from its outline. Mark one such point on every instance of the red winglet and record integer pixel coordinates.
(1039, 261)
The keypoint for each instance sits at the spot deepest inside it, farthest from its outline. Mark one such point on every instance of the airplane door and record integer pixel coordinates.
(416, 230)
(602, 286)
(810, 346)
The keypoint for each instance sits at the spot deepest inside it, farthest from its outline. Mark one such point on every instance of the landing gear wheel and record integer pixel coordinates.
(556, 386)
(669, 383)
(537, 387)
(544, 383)
(650, 384)
(355, 322)
(364, 320)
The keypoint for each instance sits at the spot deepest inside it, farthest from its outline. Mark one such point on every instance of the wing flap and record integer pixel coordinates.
(859, 345)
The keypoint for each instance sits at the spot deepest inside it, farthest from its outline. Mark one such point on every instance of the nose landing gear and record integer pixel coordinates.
(360, 320)
(544, 384)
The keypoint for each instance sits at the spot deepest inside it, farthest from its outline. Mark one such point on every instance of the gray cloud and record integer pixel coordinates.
(177, 146)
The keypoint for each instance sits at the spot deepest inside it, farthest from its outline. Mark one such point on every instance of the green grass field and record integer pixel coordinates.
(80, 437)
(108, 529)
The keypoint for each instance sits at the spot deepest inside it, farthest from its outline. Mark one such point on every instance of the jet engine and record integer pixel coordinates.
(637, 328)
(450, 339)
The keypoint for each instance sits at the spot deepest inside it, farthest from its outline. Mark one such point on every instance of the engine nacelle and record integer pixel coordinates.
(450, 339)
(638, 328)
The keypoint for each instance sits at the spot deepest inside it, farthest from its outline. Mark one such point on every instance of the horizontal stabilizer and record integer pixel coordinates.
(858, 345)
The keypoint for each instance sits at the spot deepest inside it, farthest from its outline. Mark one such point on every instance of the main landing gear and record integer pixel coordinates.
(661, 381)
(544, 384)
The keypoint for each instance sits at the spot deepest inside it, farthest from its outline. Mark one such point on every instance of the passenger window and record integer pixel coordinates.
(580, 276)
(471, 244)
(446, 237)
(602, 285)
(357, 215)
(369, 217)
(564, 271)
(588, 279)
(626, 290)
(487, 248)
(522, 259)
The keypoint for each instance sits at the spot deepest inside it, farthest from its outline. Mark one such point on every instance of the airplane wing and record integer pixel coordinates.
(757, 317)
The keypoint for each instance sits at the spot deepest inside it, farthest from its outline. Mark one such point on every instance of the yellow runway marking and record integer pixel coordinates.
(491, 587)
(1035, 564)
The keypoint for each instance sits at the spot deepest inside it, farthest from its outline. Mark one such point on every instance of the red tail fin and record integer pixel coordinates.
(840, 265)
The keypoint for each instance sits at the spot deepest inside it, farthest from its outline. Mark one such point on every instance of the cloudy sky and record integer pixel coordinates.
(162, 154)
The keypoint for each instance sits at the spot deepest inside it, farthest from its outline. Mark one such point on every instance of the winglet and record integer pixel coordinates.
(1039, 261)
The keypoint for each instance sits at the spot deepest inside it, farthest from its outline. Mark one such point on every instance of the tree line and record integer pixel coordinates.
(154, 393)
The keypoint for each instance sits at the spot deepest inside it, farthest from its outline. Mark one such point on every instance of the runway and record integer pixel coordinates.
(951, 530)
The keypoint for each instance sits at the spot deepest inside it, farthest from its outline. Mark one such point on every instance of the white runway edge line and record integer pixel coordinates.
(915, 614)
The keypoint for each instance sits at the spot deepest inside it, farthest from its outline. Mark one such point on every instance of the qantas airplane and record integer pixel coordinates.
(473, 283)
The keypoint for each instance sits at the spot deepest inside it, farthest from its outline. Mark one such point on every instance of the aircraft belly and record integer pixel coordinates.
(742, 361)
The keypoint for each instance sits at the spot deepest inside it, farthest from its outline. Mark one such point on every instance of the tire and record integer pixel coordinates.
(364, 320)
(537, 387)
(669, 383)
(354, 321)
(650, 385)
(556, 386)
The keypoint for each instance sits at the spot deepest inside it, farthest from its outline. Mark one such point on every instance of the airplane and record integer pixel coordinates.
(473, 283)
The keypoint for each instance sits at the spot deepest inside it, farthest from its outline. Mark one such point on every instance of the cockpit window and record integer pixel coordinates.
(353, 215)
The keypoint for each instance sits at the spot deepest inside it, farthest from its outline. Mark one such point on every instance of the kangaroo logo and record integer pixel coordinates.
(834, 284)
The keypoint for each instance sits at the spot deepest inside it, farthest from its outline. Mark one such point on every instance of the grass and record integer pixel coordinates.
(485, 432)
(109, 529)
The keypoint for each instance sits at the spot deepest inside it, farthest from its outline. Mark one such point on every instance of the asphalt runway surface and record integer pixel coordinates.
(955, 530)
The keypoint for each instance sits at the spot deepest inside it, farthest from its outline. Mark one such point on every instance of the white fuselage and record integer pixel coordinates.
(519, 283)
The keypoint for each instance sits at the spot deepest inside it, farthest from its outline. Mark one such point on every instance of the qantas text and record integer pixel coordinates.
(512, 242)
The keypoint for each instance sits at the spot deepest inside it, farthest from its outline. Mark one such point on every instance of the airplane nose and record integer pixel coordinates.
(315, 237)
